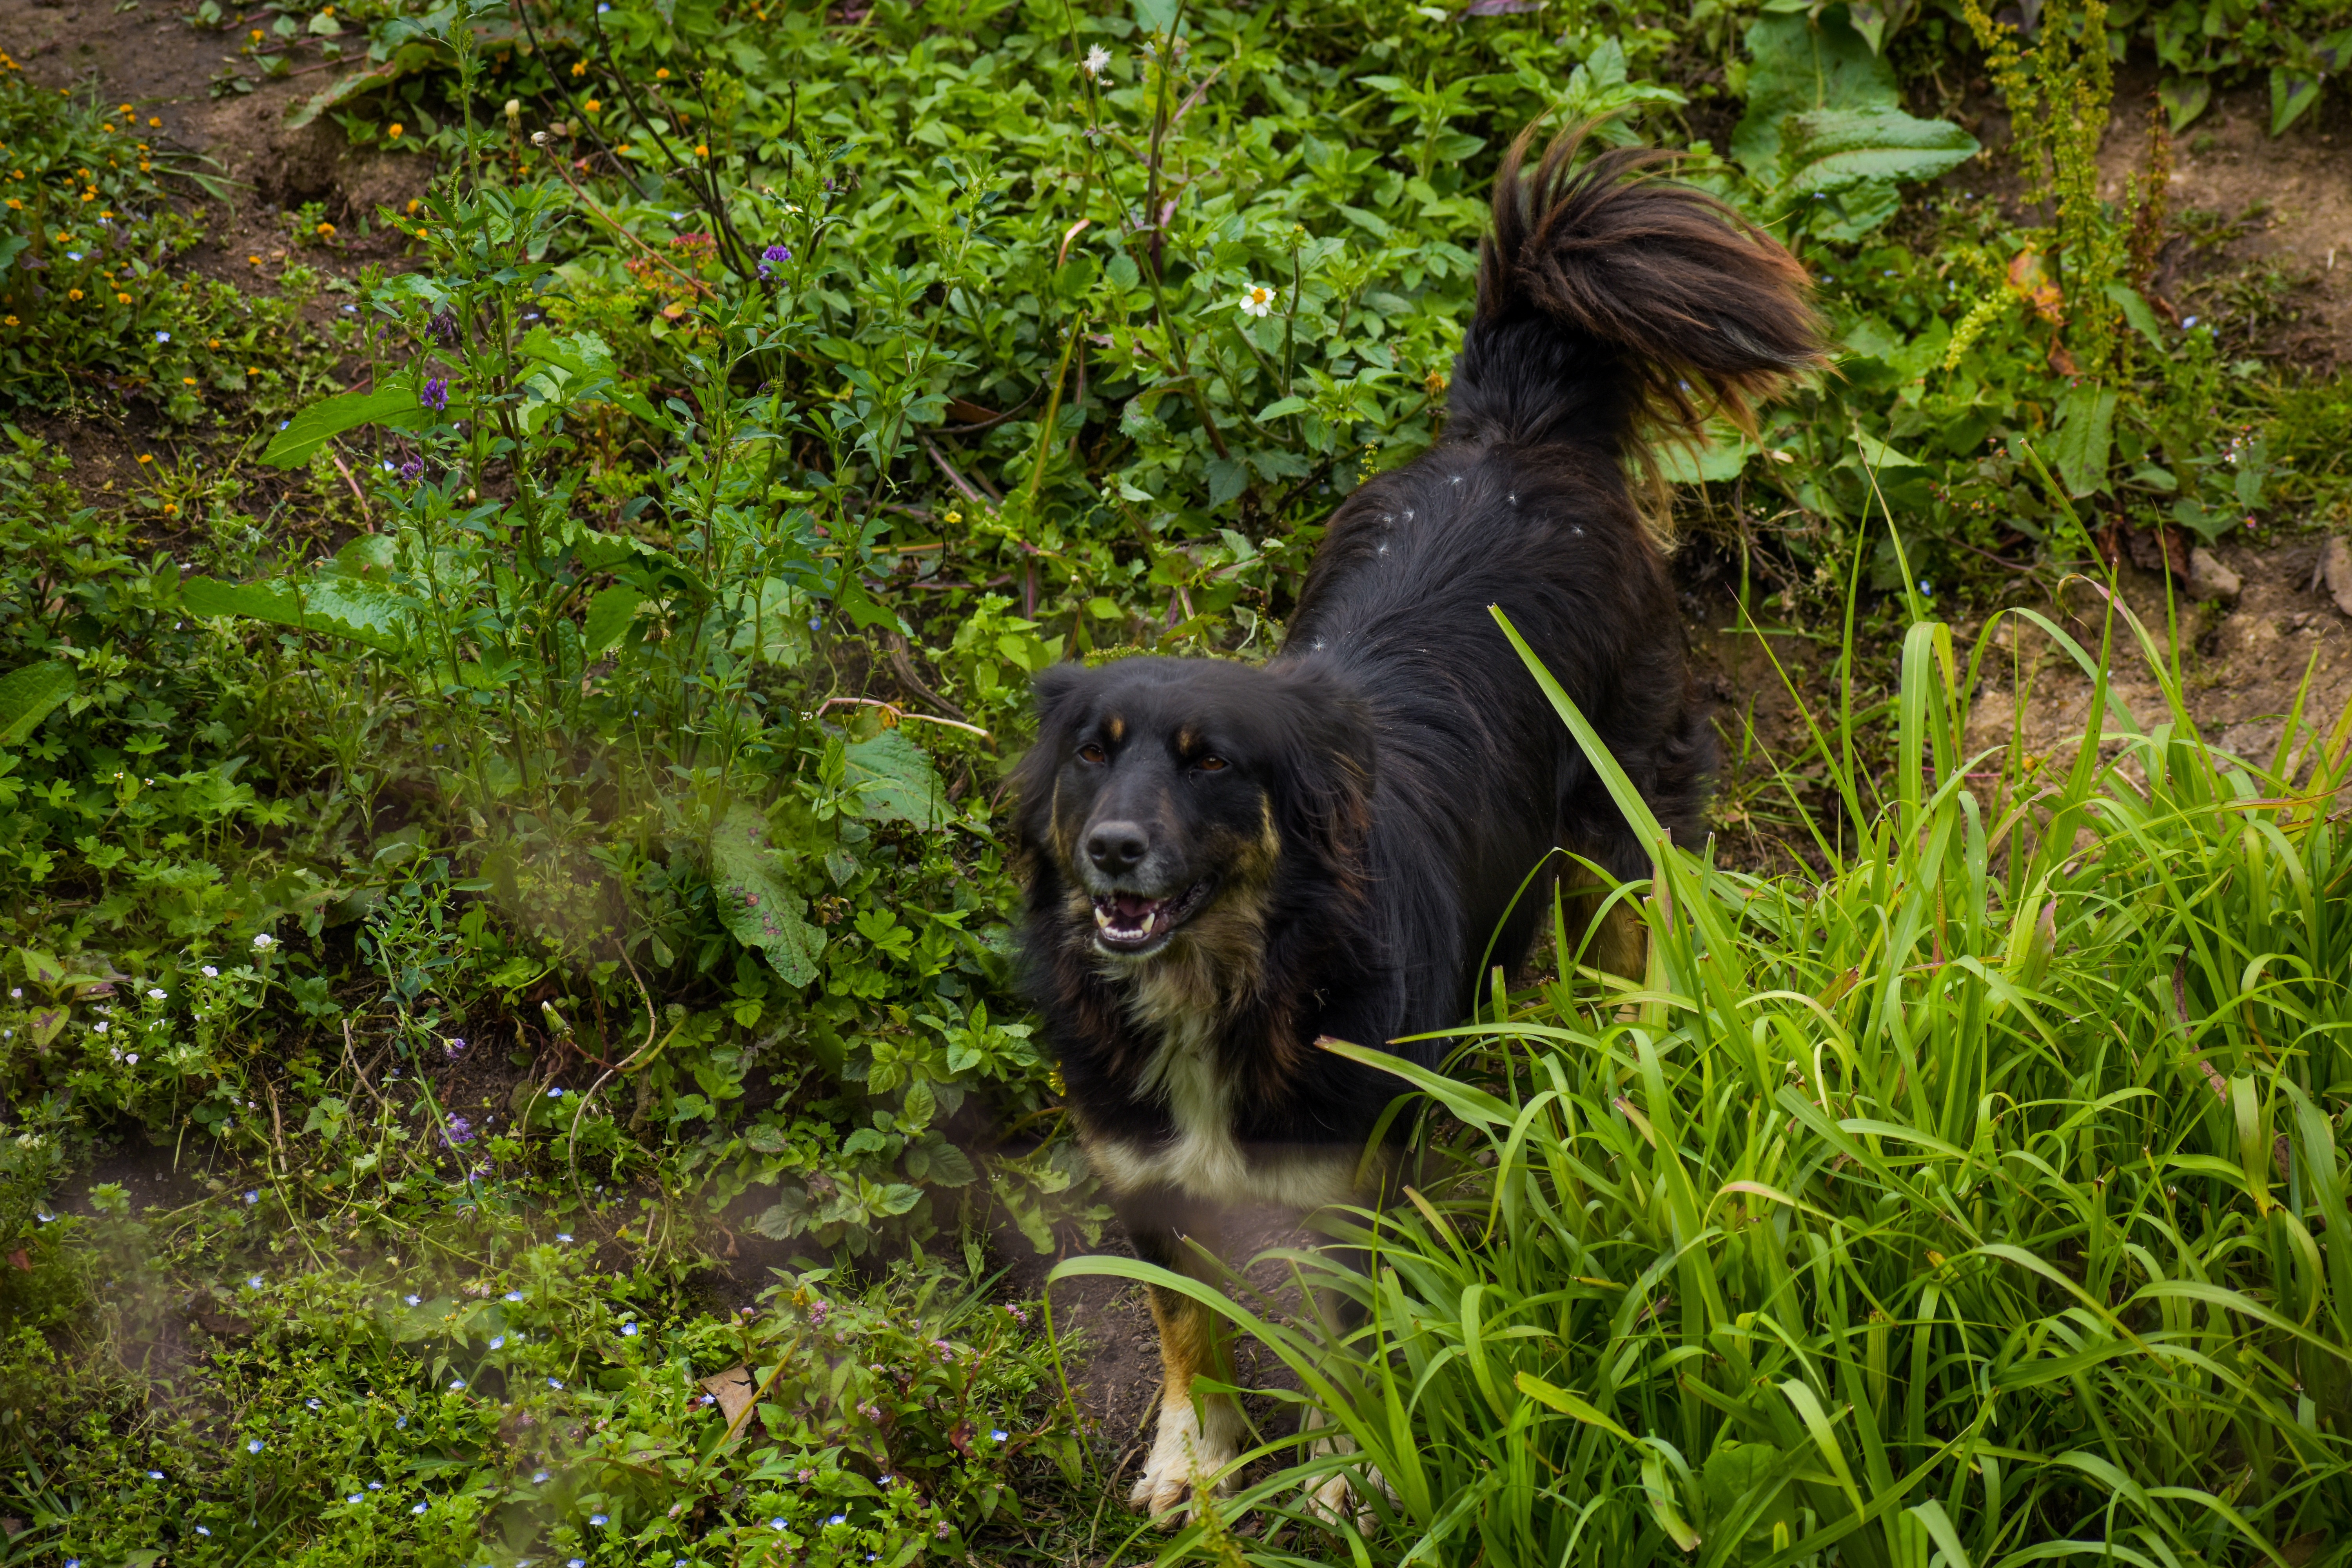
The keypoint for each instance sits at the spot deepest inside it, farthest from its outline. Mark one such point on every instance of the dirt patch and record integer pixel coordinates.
(2287, 199)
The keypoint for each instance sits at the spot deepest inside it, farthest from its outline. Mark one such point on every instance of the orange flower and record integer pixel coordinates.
(662, 75)
(122, 298)
(393, 129)
(579, 68)
(325, 231)
(146, 456)
(187, 380)
(700, 151)
(593, 106)
(154, 123)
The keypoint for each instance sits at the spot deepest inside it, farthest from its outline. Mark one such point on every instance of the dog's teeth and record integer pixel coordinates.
(1102, 917)
(1149, 915)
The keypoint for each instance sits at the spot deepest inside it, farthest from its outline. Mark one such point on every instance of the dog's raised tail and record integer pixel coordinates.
(1618, 305)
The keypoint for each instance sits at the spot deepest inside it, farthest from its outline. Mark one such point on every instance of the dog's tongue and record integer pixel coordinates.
(1129, 908)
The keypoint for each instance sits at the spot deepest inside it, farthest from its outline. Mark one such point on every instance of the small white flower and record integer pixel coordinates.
(155, 994)
(209, 973)
(1096, 58)
(1258, 300)
(133, 1058)
(101, 1028)
(412, 1300)
(265, 941)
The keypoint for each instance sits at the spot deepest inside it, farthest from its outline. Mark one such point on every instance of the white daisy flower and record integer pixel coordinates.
(1096, 58)
(1257, 300)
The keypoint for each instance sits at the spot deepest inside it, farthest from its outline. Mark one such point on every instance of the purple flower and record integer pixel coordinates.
(772, 257)
(460, 1132)
(410, 472)
(457, 1047)
(436, 395)
(443, 329)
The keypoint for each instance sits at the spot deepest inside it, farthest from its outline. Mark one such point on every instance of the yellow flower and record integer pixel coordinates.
(325, 231)
(253, 370)
(65, 239)
(11, 322)
(593, 106)
(579, 68)
(122, 298)
(424, 234)
(154, 123)
(15, 205)
(212, 344)
(146, 456)
(257, 35)
(393, 129)
(73, 293)
(126, 108)
(144, 165)
(701, 152)
(187, 380)
(255, 260)
(170, 509)
(662, 75)
(414, 203)
(89, 196)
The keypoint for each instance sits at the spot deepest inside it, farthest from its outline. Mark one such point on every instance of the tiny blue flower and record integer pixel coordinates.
(418, 1508)
(356, 1497)
(556, 1383)
(154, 1475)
(162, 337)
(352, 308)
(537, 1477)
(73, 255)
(498, 1342)
(778, 1524)
(457, 1384)
(629, 1330)
(2188, 320)
(255, 1447)
(200, 1529)
(283, 423)
(412, 1299)
(312, 1403)
(998, 1435)
(255, 1282)
(554, 1092)
(252, 1198)
(375, 1486)
(514, 1295)
(597, 1520)
(578, 1562)
(564, 1237)
(401, 1425)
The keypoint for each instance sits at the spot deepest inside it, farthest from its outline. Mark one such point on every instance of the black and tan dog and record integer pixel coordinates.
(1226, 862)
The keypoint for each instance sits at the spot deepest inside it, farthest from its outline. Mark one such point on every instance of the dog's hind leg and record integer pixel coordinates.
(1200, 1432)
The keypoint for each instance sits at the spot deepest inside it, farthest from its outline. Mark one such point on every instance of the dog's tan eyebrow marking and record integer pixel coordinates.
(1186, 741)
(1115, 726)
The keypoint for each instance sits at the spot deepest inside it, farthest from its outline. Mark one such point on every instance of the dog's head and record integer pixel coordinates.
(1163, 793)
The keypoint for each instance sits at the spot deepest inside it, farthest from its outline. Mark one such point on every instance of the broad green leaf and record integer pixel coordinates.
(2135, 311)
(895, 782)
(2184, 99)
(756, 899)
(2294, 89)
(1718, 460)
(1829, 151)
(2086, 422)
(321, 422)
(339, 607)
(608, 619)
(28, 695)
(1801, 66)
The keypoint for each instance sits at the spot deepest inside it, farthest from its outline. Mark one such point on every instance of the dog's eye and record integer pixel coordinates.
(1210, 765)
(1090, 752)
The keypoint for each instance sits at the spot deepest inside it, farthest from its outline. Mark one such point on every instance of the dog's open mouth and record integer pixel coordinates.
(1129, 922)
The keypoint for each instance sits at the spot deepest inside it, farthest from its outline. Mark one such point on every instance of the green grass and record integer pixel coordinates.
(1985, 1197)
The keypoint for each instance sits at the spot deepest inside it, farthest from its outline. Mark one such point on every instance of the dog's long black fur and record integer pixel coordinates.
(1337, 837)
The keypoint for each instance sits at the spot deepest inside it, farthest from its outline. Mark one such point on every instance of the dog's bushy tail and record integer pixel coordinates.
(1617, 305)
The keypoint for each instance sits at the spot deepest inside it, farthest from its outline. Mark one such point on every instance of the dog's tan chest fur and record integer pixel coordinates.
(1205, 1159)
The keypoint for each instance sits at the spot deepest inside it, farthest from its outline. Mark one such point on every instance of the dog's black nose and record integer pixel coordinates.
(1117, 847)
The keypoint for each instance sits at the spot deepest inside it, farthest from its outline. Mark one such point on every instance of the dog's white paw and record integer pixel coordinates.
(1336, 1499)
(1183, 1453)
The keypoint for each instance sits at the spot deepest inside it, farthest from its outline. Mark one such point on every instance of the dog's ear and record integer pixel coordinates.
(1329, 755)
(1058, 692)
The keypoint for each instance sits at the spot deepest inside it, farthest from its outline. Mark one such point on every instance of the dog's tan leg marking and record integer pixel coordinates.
(1198, 1436)
(1335, 1497)
(1620, 946)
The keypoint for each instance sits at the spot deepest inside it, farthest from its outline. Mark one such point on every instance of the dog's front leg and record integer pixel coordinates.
(1200, 1432)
